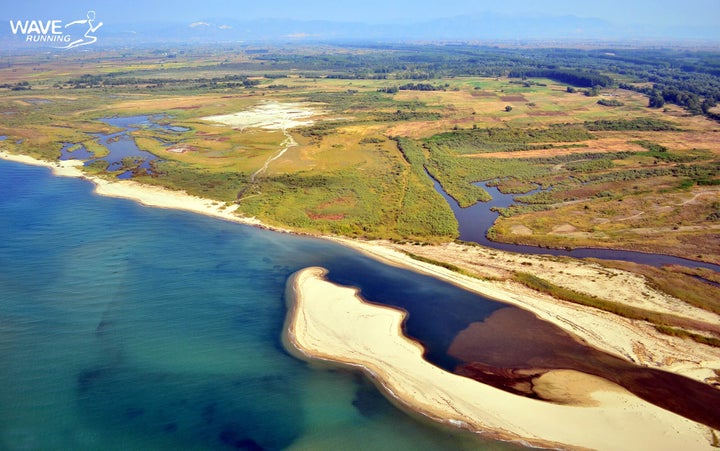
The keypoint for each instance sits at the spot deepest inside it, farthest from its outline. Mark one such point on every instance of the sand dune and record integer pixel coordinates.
(629, 339)
(332, 323)
(269, 116)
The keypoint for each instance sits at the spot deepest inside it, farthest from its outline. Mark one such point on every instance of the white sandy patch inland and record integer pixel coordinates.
(269, 116)
(331, 322)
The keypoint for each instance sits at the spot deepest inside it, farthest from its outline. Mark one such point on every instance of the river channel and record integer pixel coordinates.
(475, 221)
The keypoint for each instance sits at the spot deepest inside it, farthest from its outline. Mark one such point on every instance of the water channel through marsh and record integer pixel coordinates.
(184, 346)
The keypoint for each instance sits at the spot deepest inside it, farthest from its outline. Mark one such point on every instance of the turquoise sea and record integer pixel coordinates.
(126, 327)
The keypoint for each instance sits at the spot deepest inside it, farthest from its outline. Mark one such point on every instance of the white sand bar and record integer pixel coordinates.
(269, 116)
(633, 425)
(332, 323)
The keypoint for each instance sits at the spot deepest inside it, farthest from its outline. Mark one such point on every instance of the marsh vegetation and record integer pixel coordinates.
(623, 173)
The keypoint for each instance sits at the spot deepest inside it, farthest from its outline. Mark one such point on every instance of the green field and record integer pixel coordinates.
(622, 174)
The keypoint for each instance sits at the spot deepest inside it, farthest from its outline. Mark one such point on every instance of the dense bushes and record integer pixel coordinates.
(508, 139)
(644, 124)
(610, 102)
(581, 78)
(423, 212)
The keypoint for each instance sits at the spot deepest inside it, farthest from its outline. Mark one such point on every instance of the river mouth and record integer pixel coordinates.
(508, 347)
(512, 348)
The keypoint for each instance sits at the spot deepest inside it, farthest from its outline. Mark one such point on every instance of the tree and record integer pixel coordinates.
(593, 92)
(508, 108)
(656, 100)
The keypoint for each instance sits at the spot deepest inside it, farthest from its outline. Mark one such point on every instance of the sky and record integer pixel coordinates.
(674, 13)
(645, 12)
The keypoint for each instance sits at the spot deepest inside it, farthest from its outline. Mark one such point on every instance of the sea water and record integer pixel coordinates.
(127, 327)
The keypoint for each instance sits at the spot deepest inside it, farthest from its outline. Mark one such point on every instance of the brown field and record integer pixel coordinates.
(513, 98)
(671, 223)
(639, 214)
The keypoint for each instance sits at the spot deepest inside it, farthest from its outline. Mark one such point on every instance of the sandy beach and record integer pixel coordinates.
(634, 341)
(151, 196)
(331, 322)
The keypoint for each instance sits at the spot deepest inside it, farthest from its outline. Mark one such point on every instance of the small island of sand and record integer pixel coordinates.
(420, 387)
(332, 323)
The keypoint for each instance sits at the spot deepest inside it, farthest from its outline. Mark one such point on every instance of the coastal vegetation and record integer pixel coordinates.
(361, 137)
(391, 120)
(665, 323)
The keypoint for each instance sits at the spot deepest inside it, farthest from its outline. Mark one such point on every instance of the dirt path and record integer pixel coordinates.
(284, 146)
(270, 116)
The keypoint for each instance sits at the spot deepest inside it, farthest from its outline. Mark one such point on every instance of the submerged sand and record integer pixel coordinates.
(331, 322)
(634, 341)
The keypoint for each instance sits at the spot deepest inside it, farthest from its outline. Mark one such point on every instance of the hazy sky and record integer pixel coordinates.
(662, 12)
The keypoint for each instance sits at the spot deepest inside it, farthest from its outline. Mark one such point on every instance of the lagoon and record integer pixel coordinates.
(127, 327)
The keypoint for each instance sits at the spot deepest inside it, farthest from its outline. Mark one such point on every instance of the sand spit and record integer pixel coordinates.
(269, 116)
(633, 340)
(331, 323)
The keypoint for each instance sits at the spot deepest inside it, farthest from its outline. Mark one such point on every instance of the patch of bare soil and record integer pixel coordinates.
(522, 230)
(269, 116)
(514, 98)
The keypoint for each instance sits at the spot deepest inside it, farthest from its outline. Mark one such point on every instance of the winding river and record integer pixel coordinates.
(125, 327)
(475, 221)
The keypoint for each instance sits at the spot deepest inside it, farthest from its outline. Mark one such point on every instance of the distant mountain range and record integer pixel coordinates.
(482, 27)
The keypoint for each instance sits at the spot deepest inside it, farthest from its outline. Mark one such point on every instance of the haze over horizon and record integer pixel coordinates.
(454, 19)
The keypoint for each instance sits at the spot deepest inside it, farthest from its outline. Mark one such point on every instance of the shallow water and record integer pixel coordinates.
(72, 151)
(511, 339)
(122, 150)
(126, 327)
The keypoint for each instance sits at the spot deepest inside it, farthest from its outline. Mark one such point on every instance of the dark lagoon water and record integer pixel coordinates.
(125, 327)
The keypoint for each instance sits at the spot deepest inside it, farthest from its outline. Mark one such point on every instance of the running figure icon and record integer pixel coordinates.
(88, 37)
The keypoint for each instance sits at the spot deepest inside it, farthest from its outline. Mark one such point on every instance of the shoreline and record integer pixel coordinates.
(332, 323)
(147, 195)
(629, 339)
(632, 340)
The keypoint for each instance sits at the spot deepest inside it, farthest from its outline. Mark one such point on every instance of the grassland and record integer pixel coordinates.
(625, 176)
(622, 176)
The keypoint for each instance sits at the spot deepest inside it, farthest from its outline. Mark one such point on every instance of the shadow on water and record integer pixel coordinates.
(475, 221)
